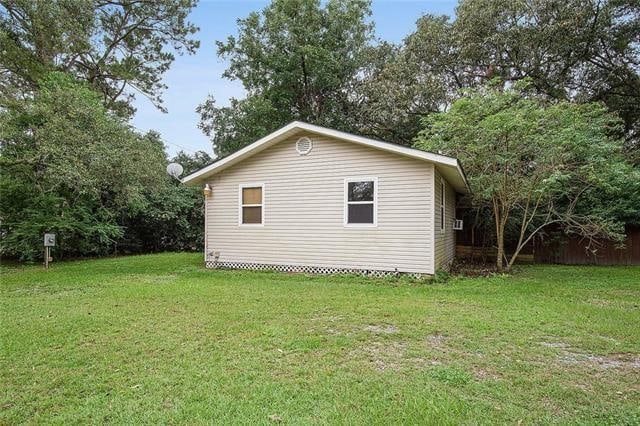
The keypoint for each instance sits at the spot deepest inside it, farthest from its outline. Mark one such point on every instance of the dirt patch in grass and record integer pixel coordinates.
(439, 342)
(157, 279)
(615, 304)
(329, 318)
(623, 361)
(559, 345)
(482, 374)
(331, 327)
(389, 356)
(382, 355)
(626, 293)
(381, 329)
(600, 302)
(436, 339)
(570, 355)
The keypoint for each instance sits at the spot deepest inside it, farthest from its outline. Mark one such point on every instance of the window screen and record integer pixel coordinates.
(251, 205)
(360, 207)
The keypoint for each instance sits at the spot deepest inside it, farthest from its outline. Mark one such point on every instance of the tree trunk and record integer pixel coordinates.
(499, 262)
(500, 222)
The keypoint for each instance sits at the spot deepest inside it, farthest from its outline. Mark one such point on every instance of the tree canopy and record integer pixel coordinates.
(120, 47)
(296, 60)
(70, 167)
(532, 161)
(300, 60)
(70, 162)
(582, 50)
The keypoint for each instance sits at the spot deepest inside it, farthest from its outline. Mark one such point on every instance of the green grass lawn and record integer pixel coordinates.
(160, 339)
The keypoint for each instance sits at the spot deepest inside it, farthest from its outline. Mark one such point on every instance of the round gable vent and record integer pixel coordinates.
(304, 145)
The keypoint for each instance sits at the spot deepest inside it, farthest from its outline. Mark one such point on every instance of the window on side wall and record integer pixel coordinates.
(361, 200)
(442, 209)
(251, 201)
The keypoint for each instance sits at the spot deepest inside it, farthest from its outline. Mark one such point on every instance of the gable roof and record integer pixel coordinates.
(449, 167)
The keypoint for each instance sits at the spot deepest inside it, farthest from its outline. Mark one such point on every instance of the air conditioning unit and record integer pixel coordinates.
(457, 225)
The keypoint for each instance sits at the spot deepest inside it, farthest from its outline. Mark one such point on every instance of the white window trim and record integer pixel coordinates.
(347, 202)
(443, 205)
(240, 205)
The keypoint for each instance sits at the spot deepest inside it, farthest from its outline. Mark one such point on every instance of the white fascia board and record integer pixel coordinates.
(246, 151)
(274, 137)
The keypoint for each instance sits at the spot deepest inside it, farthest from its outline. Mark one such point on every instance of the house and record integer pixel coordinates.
(311, 199)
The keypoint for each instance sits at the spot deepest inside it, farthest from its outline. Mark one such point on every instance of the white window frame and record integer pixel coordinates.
(443, 205)
(240, 205)
(347, 202)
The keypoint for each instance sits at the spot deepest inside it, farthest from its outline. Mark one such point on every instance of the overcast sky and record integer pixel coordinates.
(191, 78)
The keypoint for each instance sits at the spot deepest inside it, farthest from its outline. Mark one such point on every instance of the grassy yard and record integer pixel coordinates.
(160, 339)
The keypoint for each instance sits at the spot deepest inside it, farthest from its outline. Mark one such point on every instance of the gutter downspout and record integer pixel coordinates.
(433, 219)
(207, 194)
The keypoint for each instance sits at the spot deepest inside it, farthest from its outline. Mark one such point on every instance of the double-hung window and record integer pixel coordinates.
(360, 202)
(251, 204)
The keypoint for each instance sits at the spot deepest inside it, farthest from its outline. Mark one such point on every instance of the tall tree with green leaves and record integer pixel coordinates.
(408, 82)
(532, 162)
(192, 162)
(297, 59)
(69, 166)
(577, 50)
(582, 50)
(173, 217)
(120, 47)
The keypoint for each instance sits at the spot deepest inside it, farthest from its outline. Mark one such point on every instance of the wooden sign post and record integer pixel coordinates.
(49, 241)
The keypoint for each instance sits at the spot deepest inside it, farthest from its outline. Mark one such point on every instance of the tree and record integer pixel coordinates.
(118, 47)
(173, 217)
(69, 166)
(407, 82)
(296, 60)
(578, 50)
(243, 122)
(172, 220)
(532, 161)
(192, 163)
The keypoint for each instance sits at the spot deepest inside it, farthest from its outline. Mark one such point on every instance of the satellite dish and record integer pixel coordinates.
(174, 170)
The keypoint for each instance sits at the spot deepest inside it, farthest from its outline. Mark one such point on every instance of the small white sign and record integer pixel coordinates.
(49, 240)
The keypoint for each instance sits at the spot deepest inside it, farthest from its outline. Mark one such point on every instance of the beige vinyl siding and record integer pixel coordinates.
(304, 209)
(445, 242)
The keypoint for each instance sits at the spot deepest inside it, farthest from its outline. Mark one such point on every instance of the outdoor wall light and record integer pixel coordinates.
(207, 191)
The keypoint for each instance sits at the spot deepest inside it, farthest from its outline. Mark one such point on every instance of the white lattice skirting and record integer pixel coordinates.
(320, 270)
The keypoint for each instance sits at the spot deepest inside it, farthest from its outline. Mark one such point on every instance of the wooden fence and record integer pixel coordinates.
(556, 247)
(572, 250)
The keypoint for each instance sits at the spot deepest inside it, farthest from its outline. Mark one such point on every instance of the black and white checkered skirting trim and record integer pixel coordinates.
(319, 270)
